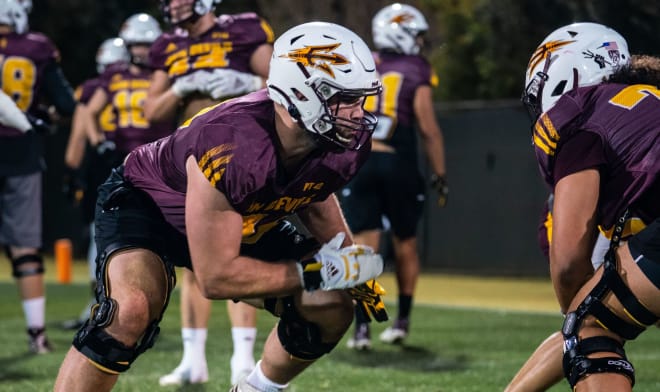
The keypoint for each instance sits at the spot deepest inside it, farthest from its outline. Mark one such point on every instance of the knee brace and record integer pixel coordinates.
(576, 362)
(102, 350)
(25, 272)
(299, 337)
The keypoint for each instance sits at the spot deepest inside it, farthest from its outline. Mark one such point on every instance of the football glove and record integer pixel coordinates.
(194, 82)
(334, 267)
(368, 300)
(230, 83)
(439, 183)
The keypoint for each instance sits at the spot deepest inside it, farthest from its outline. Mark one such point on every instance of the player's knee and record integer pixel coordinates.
(135, 315)
(27, 265)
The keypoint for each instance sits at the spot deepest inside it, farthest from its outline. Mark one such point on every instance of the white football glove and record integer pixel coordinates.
(194, 82)
(230, 83)
(333, 267)
(11, 115)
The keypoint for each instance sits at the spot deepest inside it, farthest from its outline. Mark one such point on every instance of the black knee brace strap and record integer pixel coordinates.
(576, 364)
(299, 337)
(24, 272)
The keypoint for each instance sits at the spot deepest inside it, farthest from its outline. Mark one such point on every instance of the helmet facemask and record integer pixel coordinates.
(344, 132)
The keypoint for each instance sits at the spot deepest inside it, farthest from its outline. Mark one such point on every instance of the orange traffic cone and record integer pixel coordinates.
(63, 260)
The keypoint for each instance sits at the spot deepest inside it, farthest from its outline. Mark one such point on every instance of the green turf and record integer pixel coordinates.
(449, 350)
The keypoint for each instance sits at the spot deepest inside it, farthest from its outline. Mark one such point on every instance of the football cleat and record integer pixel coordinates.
(395, 334)
(183, 376)
(361, 340)
(38, 342)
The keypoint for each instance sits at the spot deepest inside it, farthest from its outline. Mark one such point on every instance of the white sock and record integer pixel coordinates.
(258, 380)
(197, 349)
(187, 336)
(243, 338)
(35, 312)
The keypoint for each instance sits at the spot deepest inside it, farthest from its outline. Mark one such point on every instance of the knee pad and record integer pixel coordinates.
(299, 337)
(25, 272)
(577, 365)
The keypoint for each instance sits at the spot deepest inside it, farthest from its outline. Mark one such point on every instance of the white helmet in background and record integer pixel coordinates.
(27, 5)
(197, 9)
(318, 62)
(112, 50)
(13, 14)
(397, 27)
(140, 29)
(577, 55)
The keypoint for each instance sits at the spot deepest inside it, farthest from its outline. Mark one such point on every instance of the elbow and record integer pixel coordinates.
(214, 287)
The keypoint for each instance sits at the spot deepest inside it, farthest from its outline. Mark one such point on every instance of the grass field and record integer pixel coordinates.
(469, 334)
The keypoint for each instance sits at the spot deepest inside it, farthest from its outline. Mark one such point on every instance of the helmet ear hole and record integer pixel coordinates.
(559, 89)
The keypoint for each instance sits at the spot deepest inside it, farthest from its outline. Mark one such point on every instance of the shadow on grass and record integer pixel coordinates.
(402, 357)
(12, 368)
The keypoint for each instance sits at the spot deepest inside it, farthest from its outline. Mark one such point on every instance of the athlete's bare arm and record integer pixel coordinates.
(161, 101)
(429, 130)
(214, 231)
(573, 228)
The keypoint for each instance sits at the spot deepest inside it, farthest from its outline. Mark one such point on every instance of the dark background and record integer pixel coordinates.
(480, 51)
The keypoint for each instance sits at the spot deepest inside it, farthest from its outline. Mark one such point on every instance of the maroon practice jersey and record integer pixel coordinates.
(614, 128)
(23, 58)
(126, 94)
(400, 75)
(84, 93)
(235, 145)
(228, 44)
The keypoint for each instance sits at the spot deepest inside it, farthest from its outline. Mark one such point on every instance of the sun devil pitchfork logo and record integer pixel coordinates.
(402, 18)
(544, 51)
(321, 57)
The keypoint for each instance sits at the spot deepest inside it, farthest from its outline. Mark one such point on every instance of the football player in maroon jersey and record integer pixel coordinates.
(30, 67)
(206, 59)
(215, 196)
(390, 184)
(596, 126)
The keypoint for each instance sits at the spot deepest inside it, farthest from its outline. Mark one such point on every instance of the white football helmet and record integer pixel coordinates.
(397, 27)
(198, 8)
(27, 4)
(140, 29)
(315, 62)
(13, 14)
(577, 55)
(112, 50)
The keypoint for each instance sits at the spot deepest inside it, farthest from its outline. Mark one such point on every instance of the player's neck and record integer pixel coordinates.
(202, 25)
(295, 143)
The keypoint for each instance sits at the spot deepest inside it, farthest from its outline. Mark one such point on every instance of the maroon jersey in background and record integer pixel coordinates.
(400, 75)
(24, 59)
(126, 94)
(229, 44)
(235, 146)
(612, 127)
(84, 93)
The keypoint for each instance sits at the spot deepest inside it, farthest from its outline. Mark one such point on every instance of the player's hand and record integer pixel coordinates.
(194, 82)
(368, 300)
(439, 183)
(72, 186)
(230, 83)
(334, 267)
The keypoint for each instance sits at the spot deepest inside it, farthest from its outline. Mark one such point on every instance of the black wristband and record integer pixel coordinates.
(311, 274)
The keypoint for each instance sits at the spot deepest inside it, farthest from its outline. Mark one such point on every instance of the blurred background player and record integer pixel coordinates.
(94, 171)
(390, 183)
(203, 60)
(31, 72)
